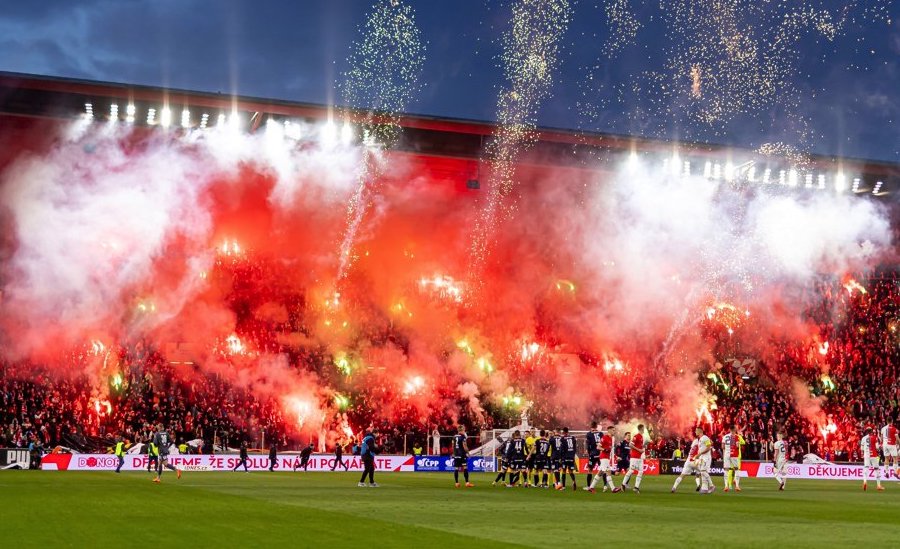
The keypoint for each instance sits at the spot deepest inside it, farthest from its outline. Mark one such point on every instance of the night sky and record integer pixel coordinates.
(843, 96)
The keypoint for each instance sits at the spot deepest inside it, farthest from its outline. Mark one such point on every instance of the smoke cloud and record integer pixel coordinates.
(222, 249)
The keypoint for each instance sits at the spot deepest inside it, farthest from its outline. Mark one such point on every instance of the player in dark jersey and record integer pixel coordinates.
(244, 458)
(540, 453)
(162, 441)
(460, 457)
(515, 458)
(567, 464)
(501, 461)
(556, 451)
(273, 457)
(339, 456)
(305, 454)
(592, 443)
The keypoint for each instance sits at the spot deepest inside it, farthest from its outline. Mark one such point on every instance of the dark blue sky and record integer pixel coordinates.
(845, 90)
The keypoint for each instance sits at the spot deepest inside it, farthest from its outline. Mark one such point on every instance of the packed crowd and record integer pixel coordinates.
(822, 393)
(70, 412)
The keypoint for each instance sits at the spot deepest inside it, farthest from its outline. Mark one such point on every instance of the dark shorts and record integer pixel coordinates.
(517, 464)
(540, 464)
(459, 461)
(553, 464)
(529, 462)
(594, 461)
(568, 463)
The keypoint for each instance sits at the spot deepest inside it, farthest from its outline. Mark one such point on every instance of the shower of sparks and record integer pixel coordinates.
(722, 60)
(531, 51)
(696, 82)
(623, 25)
(442, 287)
(385, 68)
(384, 77)
(794, 155)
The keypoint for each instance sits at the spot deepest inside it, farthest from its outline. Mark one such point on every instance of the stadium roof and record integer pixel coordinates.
(25, 95)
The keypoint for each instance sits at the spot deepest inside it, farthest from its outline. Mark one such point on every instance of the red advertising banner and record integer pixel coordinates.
(651, 466)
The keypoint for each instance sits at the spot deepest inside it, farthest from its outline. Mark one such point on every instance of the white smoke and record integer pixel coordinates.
(93, 216)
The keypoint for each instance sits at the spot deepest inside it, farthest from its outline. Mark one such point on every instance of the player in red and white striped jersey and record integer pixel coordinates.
(869, 446)
(731, 457)
(690, 466)
(889, 447)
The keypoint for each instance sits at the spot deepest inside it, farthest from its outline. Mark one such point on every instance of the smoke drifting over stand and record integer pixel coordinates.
(218, 251)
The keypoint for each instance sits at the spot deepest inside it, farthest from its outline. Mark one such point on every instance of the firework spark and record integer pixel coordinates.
(442, 287)
(384, 77)
(531, 51)
(721, 61)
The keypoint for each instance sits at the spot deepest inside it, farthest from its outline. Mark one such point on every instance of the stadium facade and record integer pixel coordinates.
(445, 150)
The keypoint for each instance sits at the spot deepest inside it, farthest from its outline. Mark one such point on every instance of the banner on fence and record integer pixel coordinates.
(651, 466)
(220, 462)
(445, 463)
(676, 466)
(15, 458)
(817, 471)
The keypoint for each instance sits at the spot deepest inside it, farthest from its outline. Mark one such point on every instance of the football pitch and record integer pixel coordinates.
(103, 509)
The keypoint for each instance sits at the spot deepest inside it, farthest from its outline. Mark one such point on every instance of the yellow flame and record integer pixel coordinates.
(463, 344)
(852, 285)
(566, 285)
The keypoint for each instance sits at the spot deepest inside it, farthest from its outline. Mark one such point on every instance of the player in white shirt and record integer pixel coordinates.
(781, 453)
(889, 447)
(869, 447)
(703, 461)
(731, 458)
(690, 467)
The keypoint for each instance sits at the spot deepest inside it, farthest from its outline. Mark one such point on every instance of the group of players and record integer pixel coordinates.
(870, 444)
(530, 461)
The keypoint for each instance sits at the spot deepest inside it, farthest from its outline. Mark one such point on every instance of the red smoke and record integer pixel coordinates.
(221, 252)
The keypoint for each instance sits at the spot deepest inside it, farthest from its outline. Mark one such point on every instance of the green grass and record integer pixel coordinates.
(85, 509)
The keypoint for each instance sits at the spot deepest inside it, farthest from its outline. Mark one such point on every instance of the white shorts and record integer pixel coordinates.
(780, 467)
(890, 450)
(731, 463)
(872, 461)
(636, 464)
(703, 464)
(604, 465)
(690, 468)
